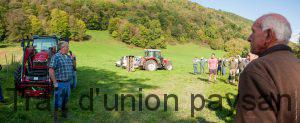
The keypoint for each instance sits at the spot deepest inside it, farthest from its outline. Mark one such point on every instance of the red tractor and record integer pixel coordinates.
(153, 61)
(32, 76)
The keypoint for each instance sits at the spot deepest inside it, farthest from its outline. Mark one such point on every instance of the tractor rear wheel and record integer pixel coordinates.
(151, 65)
(17, 75)
(17, 79)
(168, 66)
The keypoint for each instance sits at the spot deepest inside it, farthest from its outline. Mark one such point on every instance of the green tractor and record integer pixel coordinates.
(153, 61)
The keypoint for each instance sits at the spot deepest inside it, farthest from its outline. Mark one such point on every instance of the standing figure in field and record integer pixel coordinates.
(61, 73)
(195, 65)
(219, 71)
(224, 66)
(202, 65)
(232, 70)
(213, 66)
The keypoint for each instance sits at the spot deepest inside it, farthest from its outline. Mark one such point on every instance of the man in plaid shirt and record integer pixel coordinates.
(61, 73)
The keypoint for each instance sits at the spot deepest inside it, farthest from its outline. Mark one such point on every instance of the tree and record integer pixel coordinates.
(59, 23)
(93, 22)
(2, 30)
(36, 25)
(18, 25)
(296, 48)
(2, 22)
(126, 33)
(77, 28)
(236, 47)
(217, 44)
(113, 24)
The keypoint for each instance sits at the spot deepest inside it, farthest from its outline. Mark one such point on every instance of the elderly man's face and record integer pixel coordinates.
(257, 39)
(65, 49)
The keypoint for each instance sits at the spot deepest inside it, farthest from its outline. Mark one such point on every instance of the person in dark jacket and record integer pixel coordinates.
(219, 71)
(269, 86)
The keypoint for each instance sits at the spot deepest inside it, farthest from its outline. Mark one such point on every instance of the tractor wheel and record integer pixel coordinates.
(17, 75)
(168, 66)
(151, 65)
(17, 79)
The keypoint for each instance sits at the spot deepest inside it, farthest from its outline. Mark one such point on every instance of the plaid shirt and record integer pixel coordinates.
(63, 66)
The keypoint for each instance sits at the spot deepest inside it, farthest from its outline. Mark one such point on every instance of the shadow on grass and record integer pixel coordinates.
(223, 113)
(87, 38)
(110, 83)
(222, 80)
(203, 79)
(203, 120)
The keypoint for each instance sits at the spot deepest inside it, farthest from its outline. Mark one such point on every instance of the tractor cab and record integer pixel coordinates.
(153, 54)
(44, 43)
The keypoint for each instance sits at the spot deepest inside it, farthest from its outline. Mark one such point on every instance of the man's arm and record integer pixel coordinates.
(52, 66)
(52, 76)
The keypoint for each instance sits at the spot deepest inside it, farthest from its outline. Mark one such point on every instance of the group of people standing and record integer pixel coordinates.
(202, 63)
(219, 66)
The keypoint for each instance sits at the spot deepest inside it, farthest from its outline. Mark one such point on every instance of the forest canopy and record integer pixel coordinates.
(143, 23)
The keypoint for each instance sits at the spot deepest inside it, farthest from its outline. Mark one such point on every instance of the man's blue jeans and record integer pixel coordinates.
(62, 94)
(202, 69)
(223, 70)
(195, 69)
(1, 95)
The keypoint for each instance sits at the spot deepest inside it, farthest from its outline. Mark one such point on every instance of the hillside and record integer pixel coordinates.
(144, 23)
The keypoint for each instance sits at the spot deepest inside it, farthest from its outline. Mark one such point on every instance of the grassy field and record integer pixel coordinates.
(96, 69)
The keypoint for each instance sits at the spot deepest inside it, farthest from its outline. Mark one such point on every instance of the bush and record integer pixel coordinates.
(296, 48)
(217, 44)
(18, 25)
(59, 23)
(113, 24)
(77, 28)
(115, 34)
(36, 25)
(236, 47)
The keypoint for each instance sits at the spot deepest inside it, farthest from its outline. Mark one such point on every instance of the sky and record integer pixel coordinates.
(253, 9)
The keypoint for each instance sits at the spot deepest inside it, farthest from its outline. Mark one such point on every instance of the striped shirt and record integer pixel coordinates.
(63, 66)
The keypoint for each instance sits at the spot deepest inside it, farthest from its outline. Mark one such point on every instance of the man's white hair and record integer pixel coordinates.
(62, 44)
(281, 29)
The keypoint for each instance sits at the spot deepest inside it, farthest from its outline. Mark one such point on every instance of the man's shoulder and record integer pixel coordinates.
(256, 65)
(57, 54)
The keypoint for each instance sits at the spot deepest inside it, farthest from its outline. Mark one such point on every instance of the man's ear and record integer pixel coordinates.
(271, 36)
